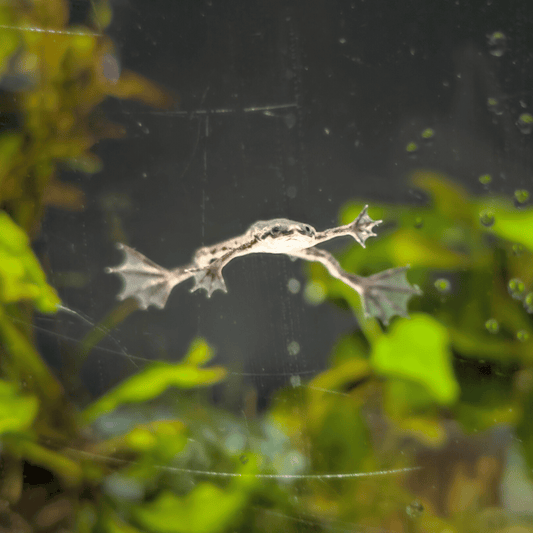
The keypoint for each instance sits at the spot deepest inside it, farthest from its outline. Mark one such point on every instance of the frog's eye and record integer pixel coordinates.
(275, 230)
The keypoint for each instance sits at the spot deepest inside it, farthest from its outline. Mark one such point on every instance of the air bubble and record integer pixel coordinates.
(516, 288)
(525, 123)
(411, 148)
(296, 381)
(494, 106)
(428, 135)
(486, 218)
(290, 120)
(293, 348)
(492, 325)
(485, 179)
(294, 286)
(414, 509)
(443, 285)
(315, 292)
(292, 191)
(528, 302)
(518, 249)
(521, 196)
(497, 43)
(522, 335)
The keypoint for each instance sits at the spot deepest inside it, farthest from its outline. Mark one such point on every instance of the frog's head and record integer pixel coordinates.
(281, 227)
(285, 233)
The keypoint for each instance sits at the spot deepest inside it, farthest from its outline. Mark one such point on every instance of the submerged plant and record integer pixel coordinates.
(152, 454)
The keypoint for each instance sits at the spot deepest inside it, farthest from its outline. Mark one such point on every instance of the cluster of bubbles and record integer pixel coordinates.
(517, 290)
(427, 135)
(525, 123)
(522, 335)
(495, 106)
(485, 179)
(521, 197)
(492, 325)
(497, 43)
(486, 217)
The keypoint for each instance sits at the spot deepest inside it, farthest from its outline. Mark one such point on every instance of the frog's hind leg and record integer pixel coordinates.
(385, 294)
(144, 280)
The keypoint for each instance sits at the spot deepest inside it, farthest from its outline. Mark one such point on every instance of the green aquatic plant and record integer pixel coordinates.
(446, 363)
(332, 453)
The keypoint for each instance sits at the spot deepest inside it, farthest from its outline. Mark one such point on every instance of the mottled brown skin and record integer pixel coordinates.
(384, 295)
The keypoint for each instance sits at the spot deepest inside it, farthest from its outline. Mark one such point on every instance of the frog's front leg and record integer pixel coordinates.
(210, 278)
(209, 271)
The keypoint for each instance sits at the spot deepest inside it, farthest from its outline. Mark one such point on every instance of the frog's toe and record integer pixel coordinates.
(387, 294)
(363, 227)
(209, 279)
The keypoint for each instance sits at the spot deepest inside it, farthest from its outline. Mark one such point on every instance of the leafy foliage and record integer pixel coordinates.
(153, 454)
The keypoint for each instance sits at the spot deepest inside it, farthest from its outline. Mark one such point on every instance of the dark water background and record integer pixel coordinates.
(286, 109)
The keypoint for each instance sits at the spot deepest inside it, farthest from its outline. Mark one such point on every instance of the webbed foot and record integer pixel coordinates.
(209, 278)
(144, 280)
(362, 227)
(387, 293)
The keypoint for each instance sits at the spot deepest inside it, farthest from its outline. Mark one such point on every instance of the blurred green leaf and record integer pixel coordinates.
(27, 360)
(17, 411)
(164, 437)
(199, 353)
(515, 225)
(9, 38)
(85, 162)
(409, 247)
(206, 509)
(102, 14)
(21, 277)
(67, 468)
(448, 197)
(10, 147)
(153, 381)
(524, 431)
(412, 408)
(418, 350)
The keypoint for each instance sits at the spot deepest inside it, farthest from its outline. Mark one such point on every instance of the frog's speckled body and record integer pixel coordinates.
(384, 295)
